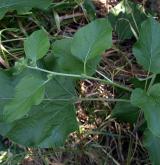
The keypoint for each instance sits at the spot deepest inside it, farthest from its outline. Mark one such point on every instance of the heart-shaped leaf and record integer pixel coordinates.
(48, 125)
(91, 41)
(45, 125)
(147, 49)
(68, 63)
(36, 45)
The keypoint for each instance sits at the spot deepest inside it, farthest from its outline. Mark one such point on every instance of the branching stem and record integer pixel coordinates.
(83, 76)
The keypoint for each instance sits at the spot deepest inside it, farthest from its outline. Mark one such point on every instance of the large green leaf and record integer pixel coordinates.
(152, 143)
(29, 91)
(36, 45)
(147, 49)
(149, 102)
(47, 124)
(126, 18)
(22, 6)
(69, 63)
(91, 41)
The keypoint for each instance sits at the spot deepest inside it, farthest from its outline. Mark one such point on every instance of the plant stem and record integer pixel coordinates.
(88, 99)
(78, 99)
(83, 76)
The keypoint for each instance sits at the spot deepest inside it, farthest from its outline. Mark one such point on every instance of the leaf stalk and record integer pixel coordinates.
(83, 76)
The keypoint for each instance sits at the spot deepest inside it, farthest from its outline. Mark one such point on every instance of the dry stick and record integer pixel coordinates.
(71, 16)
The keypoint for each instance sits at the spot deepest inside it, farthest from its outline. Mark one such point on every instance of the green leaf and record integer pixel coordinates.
(126, 18)
(150, 104)
(152, 143)
(22, 6)
(125, 112)
(29, 91)
(6, 90)
(69, 63)
(47, 124)
(90, 9)
(91, 41)
(147, 49)
(36, 45)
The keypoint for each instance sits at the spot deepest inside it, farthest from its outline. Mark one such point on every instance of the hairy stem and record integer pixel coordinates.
(83, 76)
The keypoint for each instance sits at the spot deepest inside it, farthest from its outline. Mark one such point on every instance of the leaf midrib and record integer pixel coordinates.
(92, 45)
